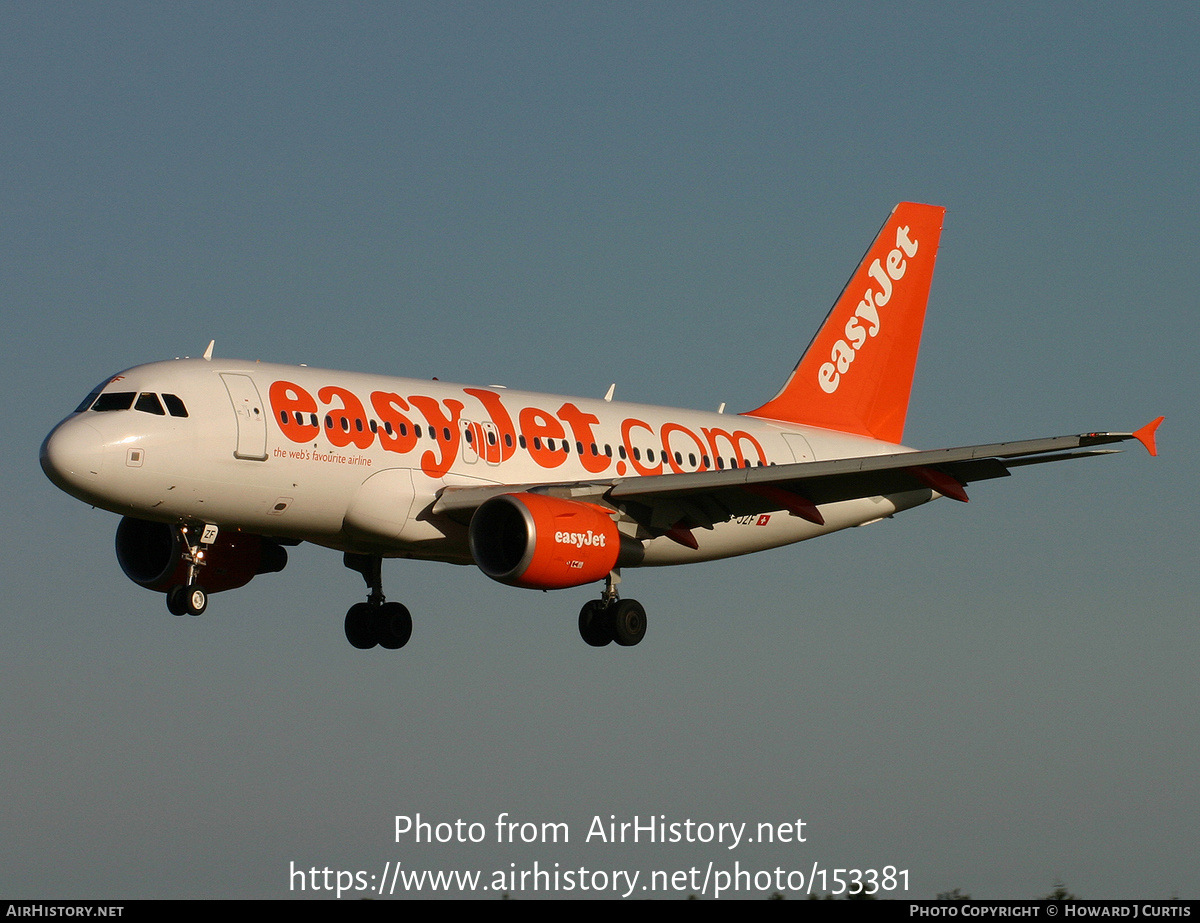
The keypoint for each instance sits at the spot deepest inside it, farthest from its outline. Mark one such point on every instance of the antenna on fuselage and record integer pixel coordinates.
(721, 409)
(611, 389)
(208, 352)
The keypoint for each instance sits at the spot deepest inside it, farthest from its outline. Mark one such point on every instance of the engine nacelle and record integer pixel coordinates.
(151, 555)
(545, 543)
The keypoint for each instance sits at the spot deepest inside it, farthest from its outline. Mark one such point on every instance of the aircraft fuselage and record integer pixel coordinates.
(355, 462)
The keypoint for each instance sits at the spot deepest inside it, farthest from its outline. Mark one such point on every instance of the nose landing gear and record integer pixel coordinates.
(187, 600)
(191, 598)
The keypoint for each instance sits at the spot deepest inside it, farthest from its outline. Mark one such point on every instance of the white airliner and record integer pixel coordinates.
(216, 465)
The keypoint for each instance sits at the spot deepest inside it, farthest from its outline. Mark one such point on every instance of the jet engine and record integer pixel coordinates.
(546, 543)
(151, 555)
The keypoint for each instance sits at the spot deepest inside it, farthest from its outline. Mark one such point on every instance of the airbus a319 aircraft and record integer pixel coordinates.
(217, 465)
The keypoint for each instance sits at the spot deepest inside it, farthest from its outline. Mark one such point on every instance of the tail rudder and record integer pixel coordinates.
(856, 375)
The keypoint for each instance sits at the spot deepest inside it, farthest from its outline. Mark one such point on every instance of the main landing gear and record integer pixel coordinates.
(375, 622)
(389, 625)
(191, 598)
(611, 619)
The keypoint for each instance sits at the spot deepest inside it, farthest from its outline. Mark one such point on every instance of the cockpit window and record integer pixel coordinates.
(148, 402)
(174, 405)
(114, 400)
(87, 401)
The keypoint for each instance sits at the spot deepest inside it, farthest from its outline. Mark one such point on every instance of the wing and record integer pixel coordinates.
(673, 504)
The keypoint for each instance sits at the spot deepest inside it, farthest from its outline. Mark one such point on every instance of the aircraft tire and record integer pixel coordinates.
(595, 627)
(393, 626)
(195, 599)
(360, 627)
(628, 622)
(176, 601)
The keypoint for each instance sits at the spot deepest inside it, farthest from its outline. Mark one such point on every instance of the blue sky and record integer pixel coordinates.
(667, 196)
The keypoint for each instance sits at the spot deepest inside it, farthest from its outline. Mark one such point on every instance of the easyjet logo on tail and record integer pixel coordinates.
(867, 313)
(856, 375)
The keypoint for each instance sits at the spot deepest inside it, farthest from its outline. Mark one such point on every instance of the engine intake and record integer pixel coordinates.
(151, 555)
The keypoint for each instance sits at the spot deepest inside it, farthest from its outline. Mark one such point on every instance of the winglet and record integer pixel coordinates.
(1145, 435)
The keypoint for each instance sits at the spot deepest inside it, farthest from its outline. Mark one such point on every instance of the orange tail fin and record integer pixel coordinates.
(856, 375)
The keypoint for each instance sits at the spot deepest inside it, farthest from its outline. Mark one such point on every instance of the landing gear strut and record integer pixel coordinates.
(611, 619)
(191, 598)
(375, 622)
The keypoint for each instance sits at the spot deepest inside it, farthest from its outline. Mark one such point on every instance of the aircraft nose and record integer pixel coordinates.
(72, 456)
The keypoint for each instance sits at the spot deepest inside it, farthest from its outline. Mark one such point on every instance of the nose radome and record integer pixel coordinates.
(72, 455)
